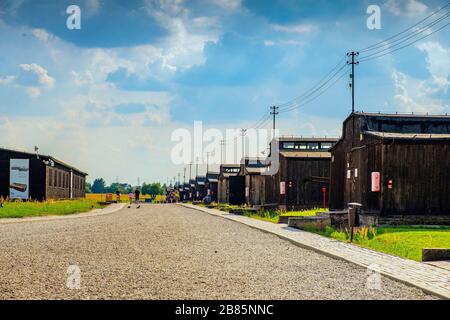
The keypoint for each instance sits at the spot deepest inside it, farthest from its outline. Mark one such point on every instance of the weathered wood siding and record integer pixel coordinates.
(300, 190)
(419, 169)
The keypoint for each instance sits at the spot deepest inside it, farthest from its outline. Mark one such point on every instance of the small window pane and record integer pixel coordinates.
(326, 145)
(288, 145)
(313, 146)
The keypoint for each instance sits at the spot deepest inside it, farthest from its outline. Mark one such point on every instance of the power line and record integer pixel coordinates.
(367, 58)
(297, 101)
(318, 95)
(314, 88)
(390, 46)
(372, 47)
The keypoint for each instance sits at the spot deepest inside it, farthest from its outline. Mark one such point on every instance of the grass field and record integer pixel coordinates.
(403, 241)
(19, 209)
(101, 197)
(273, 216)
(270, 216)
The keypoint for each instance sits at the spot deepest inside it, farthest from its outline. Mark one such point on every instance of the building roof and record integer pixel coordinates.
(212, 176)
(229, 166)
(409, 136)
(46, 157)
(306, 139)
(224, 174)
(305, 154)
(401, 115)
(259, 170)
(406, 125)
(200, 180)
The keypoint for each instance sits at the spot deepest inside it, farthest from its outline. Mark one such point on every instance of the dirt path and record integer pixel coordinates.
(171, 252)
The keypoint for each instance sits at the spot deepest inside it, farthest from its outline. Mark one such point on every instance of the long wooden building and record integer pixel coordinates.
(200, 188)
(212, 180)
(226, 172)
(254, 180)
(396, 166)
(302, 177)
(25, 175)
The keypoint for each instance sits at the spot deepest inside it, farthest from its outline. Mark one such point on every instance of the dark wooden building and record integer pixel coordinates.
(226, 172)
(191, 189)
(26, 175)
(200, 188)
(303, 174)
(212, 180)
(252, 170)
(186, 189)
(396, 166)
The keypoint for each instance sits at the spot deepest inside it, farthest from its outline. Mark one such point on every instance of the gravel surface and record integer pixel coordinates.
(171, 252)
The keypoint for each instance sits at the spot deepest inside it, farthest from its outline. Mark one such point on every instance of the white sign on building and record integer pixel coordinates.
(19, 179)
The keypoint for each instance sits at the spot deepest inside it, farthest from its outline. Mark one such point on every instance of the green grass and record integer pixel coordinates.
(303, 213)
(19, 209)
(403, 241)
(273, 215)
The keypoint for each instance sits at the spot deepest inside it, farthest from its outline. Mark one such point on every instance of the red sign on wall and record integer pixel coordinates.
(376, 186)
(282, 187)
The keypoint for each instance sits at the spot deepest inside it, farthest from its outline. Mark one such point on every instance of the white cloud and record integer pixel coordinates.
(43, 78)
(406, 7)
(41, 34)
(438, 65)
(415, 95)
(228, 4)
(296, 28)
(32, 77)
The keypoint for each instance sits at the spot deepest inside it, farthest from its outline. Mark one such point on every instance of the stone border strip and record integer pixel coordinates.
(429, 278)
(93, 213)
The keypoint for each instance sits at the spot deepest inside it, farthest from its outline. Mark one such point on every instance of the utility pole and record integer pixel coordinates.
(179, 174)
(190, 169)
(207, 162)
(274, 112)
(184, 175)
(196, 167)
(243, 131)
(353, 54)
(222, 144)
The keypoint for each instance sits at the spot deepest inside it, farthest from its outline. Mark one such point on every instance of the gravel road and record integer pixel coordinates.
(171, 252)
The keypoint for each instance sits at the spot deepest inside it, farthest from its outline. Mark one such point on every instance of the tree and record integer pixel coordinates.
(98, 186)
(88, 187)
(152, 189)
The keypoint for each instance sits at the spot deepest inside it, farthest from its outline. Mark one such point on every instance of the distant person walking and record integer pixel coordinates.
(137, 194)
(118, 196)
(130, 198)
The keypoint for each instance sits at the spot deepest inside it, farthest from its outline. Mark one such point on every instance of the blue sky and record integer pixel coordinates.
(107, 97)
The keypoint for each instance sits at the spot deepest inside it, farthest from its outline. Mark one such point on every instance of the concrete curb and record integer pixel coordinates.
(253, 223)
(93, 213)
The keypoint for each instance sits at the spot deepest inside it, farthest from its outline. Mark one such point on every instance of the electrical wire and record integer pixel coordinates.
(297, 101)
(374, 46)
(307, 92)
(407, 45)
(318, 95)
(391, 46)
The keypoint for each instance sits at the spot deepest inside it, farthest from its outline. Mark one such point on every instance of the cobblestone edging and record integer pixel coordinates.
(429, 278)
(93, 213)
